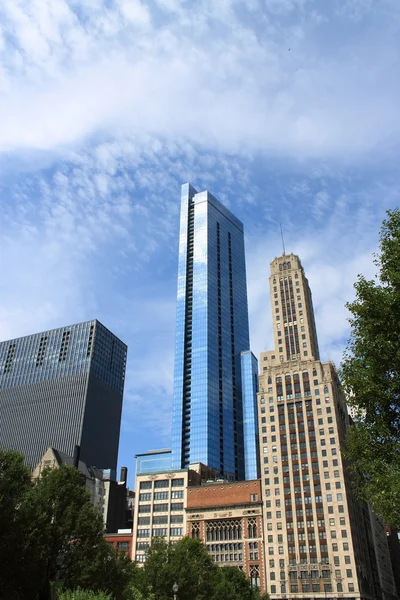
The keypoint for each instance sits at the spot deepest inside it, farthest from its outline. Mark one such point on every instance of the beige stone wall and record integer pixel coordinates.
(315, 540)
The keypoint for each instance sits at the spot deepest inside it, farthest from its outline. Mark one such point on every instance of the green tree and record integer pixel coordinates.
(67, 536)
(80, 594)
(371, 378)
(15, 481)
(189, 565)
(232, 584)
(50, 531)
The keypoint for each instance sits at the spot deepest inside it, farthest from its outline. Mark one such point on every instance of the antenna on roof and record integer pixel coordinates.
(283, 241)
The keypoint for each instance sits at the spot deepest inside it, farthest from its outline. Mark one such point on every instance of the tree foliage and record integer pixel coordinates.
(80, 594)
(55, 534)
(190, 566)
(371, 378)
(14, 483)
(50, 532)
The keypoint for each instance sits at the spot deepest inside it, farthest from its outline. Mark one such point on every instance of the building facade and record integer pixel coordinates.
(121, 541)
(225, 515)
(227, 518)
(63, 388)
(112, 498)
(211, 331)
(317, 543)
(160, 503)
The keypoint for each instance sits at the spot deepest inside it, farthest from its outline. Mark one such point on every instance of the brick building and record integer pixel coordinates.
(121, 541)
(227, 518)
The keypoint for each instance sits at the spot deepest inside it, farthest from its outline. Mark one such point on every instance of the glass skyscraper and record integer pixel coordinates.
(212, 330)
(60, 388)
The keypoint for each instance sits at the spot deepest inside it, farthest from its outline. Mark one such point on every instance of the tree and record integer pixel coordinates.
(80, 594)
(67, 535)
(14, 483)
(189, 565)
(371, 378)
(50, 531)
(232, 584)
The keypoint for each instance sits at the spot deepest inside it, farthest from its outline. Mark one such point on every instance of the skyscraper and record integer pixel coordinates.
(211, 332)
(317, 543)
(60, 388)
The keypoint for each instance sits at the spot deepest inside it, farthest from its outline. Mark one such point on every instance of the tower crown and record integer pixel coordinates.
(295, 335)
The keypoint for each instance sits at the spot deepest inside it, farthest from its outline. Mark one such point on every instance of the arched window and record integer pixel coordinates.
(252, 528)
(196, 530)
(255, 576)
(223, 530)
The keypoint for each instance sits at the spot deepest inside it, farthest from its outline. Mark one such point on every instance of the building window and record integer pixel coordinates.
(144, 497)
(159, 507)
(145, 485)
(143, 533)
(140, 558)
(160, 520)
(142, 545)
(160, 532)
(157, 496)
(255, 576)
(175, 494)
(162, 483)
(252, 528)
(123, 546)
(175, 519)
(177, 483)
(223, 530)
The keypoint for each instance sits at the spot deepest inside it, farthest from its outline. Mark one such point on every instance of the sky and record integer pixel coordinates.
(288, 111)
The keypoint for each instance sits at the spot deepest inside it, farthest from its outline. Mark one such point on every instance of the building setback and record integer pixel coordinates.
(317, 543)
(63, 388)
(212, 331)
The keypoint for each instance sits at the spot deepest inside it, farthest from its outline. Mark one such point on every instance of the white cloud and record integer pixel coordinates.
(107, 107)
(231, 88)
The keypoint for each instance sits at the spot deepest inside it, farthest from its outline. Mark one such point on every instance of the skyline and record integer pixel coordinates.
(167, 94)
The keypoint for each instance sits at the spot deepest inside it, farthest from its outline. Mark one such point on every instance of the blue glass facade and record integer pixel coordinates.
(249, 388)
(211, 331)
(153, 462)
(60, 388)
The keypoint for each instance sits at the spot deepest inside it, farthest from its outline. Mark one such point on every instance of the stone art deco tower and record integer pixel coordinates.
(316, 536)
(214, 408)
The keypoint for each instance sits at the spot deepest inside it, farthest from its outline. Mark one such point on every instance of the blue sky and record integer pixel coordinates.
(286, 110)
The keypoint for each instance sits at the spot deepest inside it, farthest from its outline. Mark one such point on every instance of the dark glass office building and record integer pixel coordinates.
(212, 330)
(60, 388)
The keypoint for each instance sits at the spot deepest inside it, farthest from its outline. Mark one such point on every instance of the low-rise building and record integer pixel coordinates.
(227, 518)
(112, 498)
(121, 541)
